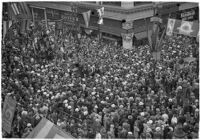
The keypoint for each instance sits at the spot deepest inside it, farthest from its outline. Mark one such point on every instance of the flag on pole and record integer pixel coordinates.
(182, 27)
(100, 14)
(6, 26)
(8, 113)
(86, 16)
(15, 8)
(197, 38)
(46, 129)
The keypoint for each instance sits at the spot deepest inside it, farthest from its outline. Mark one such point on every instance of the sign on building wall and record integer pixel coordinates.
(182, 27)
(189, 15)
(53, 14)
(127, 25)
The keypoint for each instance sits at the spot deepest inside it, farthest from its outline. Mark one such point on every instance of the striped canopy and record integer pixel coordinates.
(46, 129)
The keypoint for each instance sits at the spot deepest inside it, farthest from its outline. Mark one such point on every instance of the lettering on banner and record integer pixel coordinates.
(188, 15)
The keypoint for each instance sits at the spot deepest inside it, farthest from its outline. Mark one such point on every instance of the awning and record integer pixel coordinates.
(58, 6)
(46, 129)
(109, 38)
(141, 35)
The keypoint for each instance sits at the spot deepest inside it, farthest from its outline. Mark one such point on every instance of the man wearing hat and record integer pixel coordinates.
(179, 133)
(27, 130)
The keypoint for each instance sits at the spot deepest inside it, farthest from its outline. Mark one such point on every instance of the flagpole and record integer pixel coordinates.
(99, 32)
(155, 62)
(45, 16)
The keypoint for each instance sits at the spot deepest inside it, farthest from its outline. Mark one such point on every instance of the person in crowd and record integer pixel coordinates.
(101, 90)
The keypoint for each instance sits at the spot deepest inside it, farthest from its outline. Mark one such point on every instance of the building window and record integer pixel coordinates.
(141, 3)
(112, 3)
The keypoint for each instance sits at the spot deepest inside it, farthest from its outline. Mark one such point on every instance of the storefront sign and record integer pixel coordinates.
(68, 17)
(53, 14)
(188, 15)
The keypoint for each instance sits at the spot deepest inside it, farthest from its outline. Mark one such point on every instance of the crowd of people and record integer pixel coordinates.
(97, 89)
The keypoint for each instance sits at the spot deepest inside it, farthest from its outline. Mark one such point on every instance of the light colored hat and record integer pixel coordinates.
(150, 122)
(107, 98)
(76, 109)
(24, 112)
(52, 97)
(131, 98)
(28, 124)
(130, 133)
(158, 129)
(142, 114)
(93, 93)
(179, 87)
(65, 101)
(141, 103)
(102, 102)
(64, 93)
(69, 107)
(66, 105)
(171, 128)
(113, 105)
(165, 116)
(121, 106)
(96, 106)
(71, 85)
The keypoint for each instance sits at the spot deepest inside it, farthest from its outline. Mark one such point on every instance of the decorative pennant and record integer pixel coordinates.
(86, 16)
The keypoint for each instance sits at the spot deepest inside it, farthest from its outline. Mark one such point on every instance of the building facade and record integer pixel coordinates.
(121, 19)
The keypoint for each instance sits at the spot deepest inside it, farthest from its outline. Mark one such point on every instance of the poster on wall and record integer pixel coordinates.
(127, 41)
(189, 14)
(53, 14)
(182, 27)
